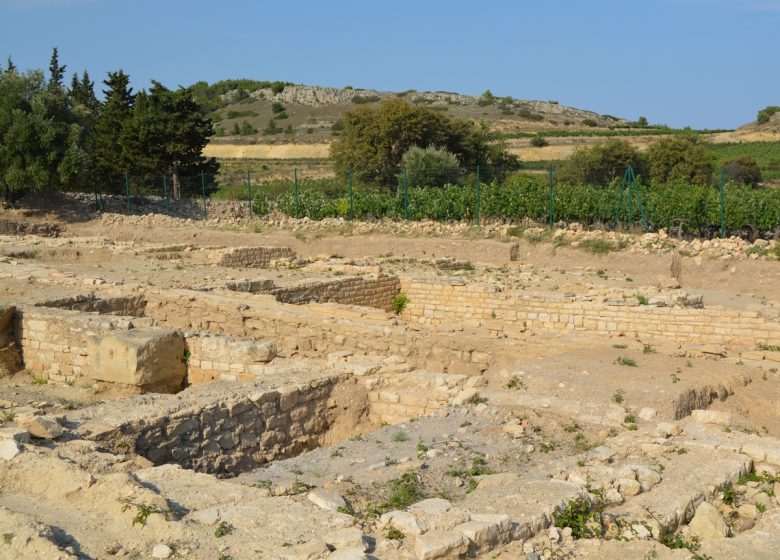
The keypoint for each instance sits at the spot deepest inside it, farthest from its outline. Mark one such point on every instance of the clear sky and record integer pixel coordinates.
(702, 63)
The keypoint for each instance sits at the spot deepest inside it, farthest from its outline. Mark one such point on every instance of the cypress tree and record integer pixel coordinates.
(56, 72)
(114, 114)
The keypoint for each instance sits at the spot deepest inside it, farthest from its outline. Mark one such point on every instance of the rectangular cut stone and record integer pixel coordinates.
(151, 359)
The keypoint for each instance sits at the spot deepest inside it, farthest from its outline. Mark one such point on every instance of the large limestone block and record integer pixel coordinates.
(150, 359)
(707, 523)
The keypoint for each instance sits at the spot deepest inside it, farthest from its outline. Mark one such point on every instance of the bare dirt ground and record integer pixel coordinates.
(604, 423)
(559, 148)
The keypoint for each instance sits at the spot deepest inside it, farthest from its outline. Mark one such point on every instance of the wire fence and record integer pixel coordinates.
(458, 194)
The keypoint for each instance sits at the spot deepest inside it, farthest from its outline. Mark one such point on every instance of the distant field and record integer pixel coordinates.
(767, 155)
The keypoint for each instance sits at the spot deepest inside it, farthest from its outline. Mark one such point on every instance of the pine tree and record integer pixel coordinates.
(167, 134)
(114, 114)
(10, 66)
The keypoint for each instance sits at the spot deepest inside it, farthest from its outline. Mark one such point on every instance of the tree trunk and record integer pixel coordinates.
(176, 183)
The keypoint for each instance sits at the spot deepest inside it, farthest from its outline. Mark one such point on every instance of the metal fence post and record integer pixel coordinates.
(249, 191)
(479, 198)
(550, 213)
(349, 178)
(722, 204)
(127, 192)
(406, 193)
(297, 194)
(165, 194)
(203, 192)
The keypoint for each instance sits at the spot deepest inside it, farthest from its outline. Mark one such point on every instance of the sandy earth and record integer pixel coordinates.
(63, 499)
(559, 148)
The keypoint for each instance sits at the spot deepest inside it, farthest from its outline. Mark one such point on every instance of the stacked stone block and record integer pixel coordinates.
(511, 312)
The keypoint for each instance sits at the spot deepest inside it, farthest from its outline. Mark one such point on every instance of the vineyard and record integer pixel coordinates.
(693, 209)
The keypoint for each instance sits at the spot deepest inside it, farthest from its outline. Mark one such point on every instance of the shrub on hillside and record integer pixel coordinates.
(765, 114)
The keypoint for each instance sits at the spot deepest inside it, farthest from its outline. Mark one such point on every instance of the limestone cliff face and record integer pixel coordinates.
(319, 96)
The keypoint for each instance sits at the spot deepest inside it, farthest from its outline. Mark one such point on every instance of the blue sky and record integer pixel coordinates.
(702, 63)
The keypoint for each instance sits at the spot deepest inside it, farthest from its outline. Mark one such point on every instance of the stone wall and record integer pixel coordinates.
(368, 291)
(398, 398)
(210, 429)
(126, 306)
(310, 331)
(225, 358)
(510, 312)
(251, 257)
(53, 342)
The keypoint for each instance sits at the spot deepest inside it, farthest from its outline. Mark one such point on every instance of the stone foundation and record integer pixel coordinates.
(507, 313)
(377, 291)
(209, 430)
(251, 257)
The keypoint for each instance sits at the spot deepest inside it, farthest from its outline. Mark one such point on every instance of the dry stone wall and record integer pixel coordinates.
(225, 358)
(213, 430)
(377, 291)
(251, 257)
(396, 399)
(127, 306)
(54, 341)
(310, 331)
(510, 312)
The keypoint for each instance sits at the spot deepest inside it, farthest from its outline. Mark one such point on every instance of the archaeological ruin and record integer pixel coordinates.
(298, 391)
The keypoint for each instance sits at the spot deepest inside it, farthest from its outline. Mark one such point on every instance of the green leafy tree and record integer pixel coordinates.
(681, 158)
(166, 134)
(743, 170)
(642, 121)
(40, 142)
(431, 166)
(374, 139)
(602, 163)
(85, 109)
(114, 115)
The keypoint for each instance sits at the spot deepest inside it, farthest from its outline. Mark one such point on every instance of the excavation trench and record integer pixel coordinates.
(227, 429)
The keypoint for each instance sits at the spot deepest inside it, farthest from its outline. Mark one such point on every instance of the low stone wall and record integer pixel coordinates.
(225, 358)
(510, 312)
(251, 257)
(8, 227)
(368, 291)
(310, 331)
(216, 430)
(398, 398)
(126, 306)
(53, 342)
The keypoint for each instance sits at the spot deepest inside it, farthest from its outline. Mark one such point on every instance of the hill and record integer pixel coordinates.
(311, 114)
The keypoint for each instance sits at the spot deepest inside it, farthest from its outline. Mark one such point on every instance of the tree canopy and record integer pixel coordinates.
(54, 137)
(375, 138)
